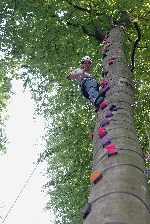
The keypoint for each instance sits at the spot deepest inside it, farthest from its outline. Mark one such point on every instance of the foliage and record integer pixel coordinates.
(5, 86)
(47, 38)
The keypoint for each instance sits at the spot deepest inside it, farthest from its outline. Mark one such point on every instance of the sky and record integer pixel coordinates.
(25, 136)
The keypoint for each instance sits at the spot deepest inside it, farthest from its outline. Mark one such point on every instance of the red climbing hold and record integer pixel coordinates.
(106, 42)
(112, 57)
(104, 83)
(102, 132)
(111, 149)
(103, 105)
(104, 73)
(110, 62)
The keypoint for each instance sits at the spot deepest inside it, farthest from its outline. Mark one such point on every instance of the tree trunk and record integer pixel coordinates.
(121, 195)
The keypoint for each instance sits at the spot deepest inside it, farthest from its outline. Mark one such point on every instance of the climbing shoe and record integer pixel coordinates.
(98, 100)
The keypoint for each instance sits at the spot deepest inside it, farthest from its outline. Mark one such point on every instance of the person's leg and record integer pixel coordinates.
(91, 87)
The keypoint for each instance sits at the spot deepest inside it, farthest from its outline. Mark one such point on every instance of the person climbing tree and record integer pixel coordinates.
(89, 87)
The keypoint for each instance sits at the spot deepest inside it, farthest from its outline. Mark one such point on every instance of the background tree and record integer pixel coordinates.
(5, 87)
(47, 39)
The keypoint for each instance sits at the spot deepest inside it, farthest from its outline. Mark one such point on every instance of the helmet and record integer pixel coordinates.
(86, 58)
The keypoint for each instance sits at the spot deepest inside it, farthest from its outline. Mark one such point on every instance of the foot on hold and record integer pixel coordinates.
(98, 100)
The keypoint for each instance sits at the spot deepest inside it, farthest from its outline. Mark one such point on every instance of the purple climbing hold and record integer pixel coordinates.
(106, 88)
(105, 141)
(113, 107)
(104, 122)
(108, 113)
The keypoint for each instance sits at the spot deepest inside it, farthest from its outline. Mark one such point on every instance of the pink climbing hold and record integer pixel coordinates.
(111, 149)
(104, 83)
(103, 105)
(110, 62)
(102, 132)
(107, 41)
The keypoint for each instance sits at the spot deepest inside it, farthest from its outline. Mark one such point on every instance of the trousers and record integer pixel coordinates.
(92, 88)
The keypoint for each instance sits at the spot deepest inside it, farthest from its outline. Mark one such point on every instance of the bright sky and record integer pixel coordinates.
(17, 165)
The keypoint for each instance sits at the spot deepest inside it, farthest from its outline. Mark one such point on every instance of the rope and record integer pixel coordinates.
(120, 192)
(117, 150)
(20, 192)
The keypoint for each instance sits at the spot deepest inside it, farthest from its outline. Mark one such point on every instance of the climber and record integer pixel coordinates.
(89, 87)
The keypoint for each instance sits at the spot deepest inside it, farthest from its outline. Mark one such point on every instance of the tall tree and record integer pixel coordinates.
(47, 39)
(123, 189)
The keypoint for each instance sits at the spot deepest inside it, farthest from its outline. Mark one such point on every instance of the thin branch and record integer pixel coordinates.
(82, 27)
(78, 7)
(84, 9)
(135, 45)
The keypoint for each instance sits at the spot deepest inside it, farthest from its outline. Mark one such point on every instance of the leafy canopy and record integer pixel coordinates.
(48, 38)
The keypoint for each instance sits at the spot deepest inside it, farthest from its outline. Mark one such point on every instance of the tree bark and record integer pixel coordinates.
(121, 195)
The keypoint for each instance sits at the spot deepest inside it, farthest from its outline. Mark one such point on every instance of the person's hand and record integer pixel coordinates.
(82, 73)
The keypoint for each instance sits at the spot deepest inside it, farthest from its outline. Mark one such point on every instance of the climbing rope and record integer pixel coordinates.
(20, 192)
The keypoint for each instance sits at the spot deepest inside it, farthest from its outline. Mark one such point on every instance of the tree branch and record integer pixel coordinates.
(84, 9)
(135, 45)
(78, 7)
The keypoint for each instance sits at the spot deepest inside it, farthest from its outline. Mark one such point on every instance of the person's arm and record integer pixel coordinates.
(76, 74)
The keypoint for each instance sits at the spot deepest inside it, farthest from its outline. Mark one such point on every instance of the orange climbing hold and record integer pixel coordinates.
(91, 135)
(95, 176)
(112, 57)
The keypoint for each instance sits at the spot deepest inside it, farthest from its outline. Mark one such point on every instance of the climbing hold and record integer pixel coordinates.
(110, 62)
(107, 45)
(112, 57)
(104, 83)
(108, 113)
(103, 105)
(102, 132)
(105, 49)
(104, 55)
(106, 88)
(113, 107)
(105, 141)
(86, 210)
(106, 41)
(91, 135)
(104, 122)
(104, 73)
(111, 150)
(95, 176)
